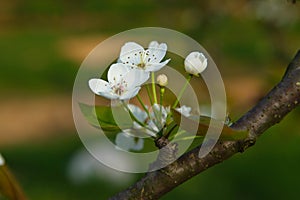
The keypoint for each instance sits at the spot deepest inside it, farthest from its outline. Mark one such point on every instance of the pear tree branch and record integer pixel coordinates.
(282, 99)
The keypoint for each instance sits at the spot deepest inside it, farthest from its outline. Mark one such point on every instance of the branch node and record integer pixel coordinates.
(167, 153)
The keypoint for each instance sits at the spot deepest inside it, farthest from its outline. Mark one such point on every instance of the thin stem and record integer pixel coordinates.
(188, 138)
(158, 121)
(182, 90)
(143, 105)
(149, 94)
(153, 87)
(158, 124)
(151, 102)
(162, 92)
(170, 131)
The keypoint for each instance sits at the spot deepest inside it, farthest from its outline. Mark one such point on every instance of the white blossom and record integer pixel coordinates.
(184, 110)
(83, 167)
(123, 82)
(195, 63)
(138, 130)
(135, 55)
(127, 142)
(2, 161)
(158, 117)
(141, 115)
(132, 139)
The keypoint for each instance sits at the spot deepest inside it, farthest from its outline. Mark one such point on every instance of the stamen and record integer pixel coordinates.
(141, 65)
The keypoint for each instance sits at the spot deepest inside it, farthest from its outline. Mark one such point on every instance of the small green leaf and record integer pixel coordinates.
(89, 114)
(109, 119)
(187, 123)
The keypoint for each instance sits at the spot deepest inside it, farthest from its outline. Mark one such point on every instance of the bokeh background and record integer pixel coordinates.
(44, 42)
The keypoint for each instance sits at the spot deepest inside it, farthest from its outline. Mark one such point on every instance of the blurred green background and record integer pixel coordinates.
(44, 42)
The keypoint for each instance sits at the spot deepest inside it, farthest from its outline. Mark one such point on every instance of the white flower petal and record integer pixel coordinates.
(156, 107)
(136, 126)
(141, 115)
(99, 86)
(131, 79)
(136, 77)
(151, 133)
(139, 131)
(142, 76)
(131, 53)
(164, 110)
(158, 120)
(153, 44)
(139, 145)
(153, 67)
(184, 110)
(153, 126)
(2, 161)
(109, 95)
(127, 142)
(156, 52)
(191, 70)
(116, 72)
(130, 93)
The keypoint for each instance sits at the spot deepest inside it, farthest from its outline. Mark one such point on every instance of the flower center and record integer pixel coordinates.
(119, 88)
(142, 65)
(119, 91)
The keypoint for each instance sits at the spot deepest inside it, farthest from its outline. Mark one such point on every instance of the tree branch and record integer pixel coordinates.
(283, 98)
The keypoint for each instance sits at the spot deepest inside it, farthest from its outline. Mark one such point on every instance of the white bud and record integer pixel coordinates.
(162, 80)
(2, 161)
(195, 63)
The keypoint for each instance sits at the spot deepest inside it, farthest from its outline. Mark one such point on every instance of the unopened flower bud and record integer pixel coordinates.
(162, 80)
(195, 63)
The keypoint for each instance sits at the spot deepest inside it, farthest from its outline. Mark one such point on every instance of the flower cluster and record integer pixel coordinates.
(132, 70)
(125, 79)
(153, 124)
